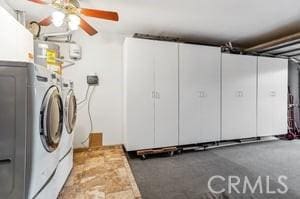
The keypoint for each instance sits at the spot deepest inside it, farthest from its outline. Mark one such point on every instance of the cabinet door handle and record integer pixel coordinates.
(239, 94)
(201, 94)
(157, 95)
(153, 94)
(5, 161)
(273, 93)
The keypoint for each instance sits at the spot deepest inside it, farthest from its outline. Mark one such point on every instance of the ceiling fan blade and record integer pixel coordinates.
(100, 14)
(87, 27)
(46, 22)
(38, 1)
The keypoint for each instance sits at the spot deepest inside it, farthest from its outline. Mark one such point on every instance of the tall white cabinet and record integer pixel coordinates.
(16, 41)
(199, 77)
(239, 77)
(272, 96)
(151, 94)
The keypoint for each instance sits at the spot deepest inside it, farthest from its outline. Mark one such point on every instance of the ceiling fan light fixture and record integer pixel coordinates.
(74, 21)
(69, 12)
(73, 26)
(58, 18)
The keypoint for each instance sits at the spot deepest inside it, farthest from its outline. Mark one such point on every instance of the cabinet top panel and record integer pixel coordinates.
(198, 46)
(283, 60)
(237, 55)
(130, 40)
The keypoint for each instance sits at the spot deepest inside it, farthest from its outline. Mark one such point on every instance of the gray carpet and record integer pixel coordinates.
(185, 176)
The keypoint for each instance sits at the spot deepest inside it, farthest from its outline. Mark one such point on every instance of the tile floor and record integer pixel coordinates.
(100, 173)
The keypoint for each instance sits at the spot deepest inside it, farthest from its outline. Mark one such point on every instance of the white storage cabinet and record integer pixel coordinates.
(272, 96)
(16, 41)
(220, 96)
(239, 76)
(199, 72)
(151, 94)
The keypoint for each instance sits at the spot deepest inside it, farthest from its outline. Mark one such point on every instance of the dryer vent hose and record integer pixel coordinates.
(88, 97)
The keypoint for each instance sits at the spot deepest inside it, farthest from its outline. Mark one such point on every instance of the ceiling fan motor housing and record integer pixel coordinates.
(75, 3)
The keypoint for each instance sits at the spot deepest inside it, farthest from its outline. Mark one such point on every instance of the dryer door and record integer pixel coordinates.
(51, 119)
(70, 111)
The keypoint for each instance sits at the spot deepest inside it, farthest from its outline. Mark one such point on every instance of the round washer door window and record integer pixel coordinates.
(70, 111)
(51, 119)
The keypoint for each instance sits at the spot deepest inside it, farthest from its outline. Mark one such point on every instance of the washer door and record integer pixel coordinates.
(51, 119)
(70, 111)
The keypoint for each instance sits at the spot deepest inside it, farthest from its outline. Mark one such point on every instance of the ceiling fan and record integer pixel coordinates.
(71, 11)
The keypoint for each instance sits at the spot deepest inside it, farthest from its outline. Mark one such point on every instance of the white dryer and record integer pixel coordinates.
(66, 145)
(70, 116)
(31, 123)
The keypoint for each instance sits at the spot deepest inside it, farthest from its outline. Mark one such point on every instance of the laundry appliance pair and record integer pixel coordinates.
(36, 125)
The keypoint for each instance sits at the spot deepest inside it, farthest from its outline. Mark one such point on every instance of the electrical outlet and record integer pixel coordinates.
(92, 80)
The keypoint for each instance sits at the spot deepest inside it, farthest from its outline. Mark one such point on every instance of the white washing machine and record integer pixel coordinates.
(52, 189)
(31, 123)
(47, 111)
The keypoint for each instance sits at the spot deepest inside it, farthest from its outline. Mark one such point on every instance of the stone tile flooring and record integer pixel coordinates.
(100, 173)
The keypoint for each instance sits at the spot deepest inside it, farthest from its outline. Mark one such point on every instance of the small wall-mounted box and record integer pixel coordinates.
(75, 51)
(92, 80)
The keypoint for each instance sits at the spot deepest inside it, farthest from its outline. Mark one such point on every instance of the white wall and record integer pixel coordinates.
(101, 54)
(7, 7)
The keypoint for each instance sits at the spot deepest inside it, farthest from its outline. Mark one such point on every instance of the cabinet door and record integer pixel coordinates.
(25, 43)
(166, 86)
(139, 86)
(238, 96)
(272, 96)
(8, 36)
(199, 72)
(16, 41)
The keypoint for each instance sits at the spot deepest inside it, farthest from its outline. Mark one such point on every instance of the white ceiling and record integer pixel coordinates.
(240, 21)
